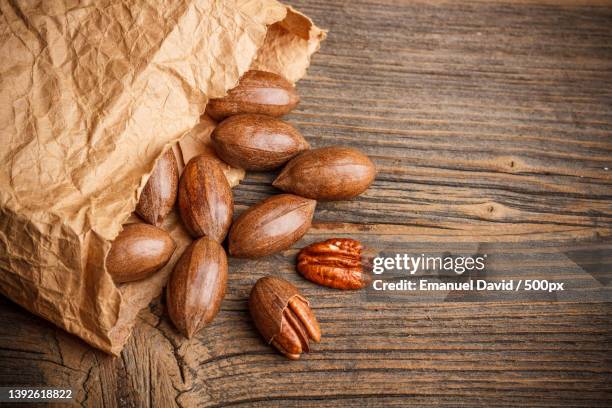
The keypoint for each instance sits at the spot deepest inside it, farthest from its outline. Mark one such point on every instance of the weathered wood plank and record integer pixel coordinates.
(430, 352)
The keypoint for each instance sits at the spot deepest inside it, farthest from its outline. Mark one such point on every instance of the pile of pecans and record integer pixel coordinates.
(251, 136)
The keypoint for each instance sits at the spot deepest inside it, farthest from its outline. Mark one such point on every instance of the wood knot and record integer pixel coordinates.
(490, 211)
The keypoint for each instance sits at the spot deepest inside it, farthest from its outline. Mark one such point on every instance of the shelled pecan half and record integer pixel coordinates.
(335, 263)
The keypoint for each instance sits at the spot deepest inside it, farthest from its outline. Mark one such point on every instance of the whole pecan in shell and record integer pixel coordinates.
(260, 92)
(271, 225)
(205, 199)
(257, 142)
(138, 252)
(197, 286)
(159, 194)
(327, 173)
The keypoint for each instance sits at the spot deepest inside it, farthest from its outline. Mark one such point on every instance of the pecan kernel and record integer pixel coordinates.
(335, 263)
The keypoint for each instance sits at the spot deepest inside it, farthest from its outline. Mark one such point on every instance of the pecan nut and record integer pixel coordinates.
(197, 286)
(335, 263)
(283, 316)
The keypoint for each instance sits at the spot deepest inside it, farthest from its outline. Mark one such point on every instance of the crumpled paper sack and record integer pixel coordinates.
(92, 92)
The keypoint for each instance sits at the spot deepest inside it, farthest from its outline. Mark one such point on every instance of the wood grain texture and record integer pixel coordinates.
(491, 125)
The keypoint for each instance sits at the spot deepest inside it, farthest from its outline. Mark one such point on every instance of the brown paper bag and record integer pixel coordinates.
(92, 92)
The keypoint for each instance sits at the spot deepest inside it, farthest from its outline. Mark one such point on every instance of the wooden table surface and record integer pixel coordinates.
(491, 125)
